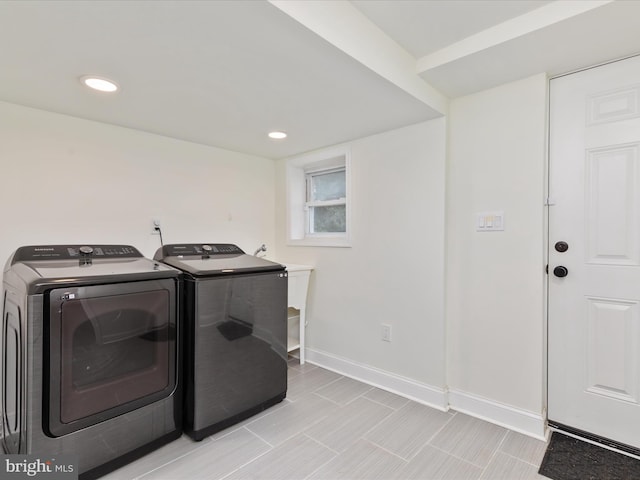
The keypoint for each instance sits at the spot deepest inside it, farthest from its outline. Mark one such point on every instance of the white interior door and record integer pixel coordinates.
(594, 311)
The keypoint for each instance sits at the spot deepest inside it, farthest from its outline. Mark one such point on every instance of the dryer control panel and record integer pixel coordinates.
(68, 252)
(199, 249)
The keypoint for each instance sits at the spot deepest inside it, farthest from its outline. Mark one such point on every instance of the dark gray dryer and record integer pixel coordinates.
(235, 320)
(91, 345)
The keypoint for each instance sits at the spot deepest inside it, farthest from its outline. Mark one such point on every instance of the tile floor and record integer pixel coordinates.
(333, 427)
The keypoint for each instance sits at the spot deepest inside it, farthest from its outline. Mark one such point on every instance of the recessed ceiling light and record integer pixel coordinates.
(99, 83)
(277, 135)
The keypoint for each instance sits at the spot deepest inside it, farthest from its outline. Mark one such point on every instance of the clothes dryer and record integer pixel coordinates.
(235, 320)
(90, 337)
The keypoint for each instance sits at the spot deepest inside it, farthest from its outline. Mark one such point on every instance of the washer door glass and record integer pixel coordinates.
(112, 349)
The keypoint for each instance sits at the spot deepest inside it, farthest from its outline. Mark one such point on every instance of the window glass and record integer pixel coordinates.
(328, 186)
(329, 219)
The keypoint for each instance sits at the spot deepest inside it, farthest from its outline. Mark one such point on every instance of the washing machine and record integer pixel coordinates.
(90, 339)
(235, 321)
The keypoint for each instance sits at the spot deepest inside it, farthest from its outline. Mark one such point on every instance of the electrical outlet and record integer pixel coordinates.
(386, 332)
(155, 224)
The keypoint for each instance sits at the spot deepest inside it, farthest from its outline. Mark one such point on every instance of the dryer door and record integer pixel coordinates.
(12, 377)
(112, 349)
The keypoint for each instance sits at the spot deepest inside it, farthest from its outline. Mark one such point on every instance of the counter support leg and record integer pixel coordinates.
(303, 325)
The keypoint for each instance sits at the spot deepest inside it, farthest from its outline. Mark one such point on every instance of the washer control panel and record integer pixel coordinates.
(187, 249)
(66, 252)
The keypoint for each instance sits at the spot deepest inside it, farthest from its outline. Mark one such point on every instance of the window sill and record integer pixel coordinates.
(339, 242)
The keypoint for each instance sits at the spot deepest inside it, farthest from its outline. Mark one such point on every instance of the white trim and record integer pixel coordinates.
(317, 241)
(321, 159)
(326, 203)
(523, 421)
(297, 205)
(345, 27)
(548, 15)
(435, 397)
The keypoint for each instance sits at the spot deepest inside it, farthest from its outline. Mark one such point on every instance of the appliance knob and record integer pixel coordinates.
(85, 250)
(560, 271)
(207, 248)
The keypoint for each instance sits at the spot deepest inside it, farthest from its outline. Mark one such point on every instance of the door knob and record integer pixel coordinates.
(561, 247)
(560, 271)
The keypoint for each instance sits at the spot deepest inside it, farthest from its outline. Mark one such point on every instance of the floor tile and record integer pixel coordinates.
(345, 430)
(433, 464)
(470, 439)
(386, 398)
(294, 459)
(214, 459)
(292, 419)
(343, 427)
(525, 448)
(294, 368)
(157, 458)
(363, 460)
(343, 390)
(312, 380)
(506, 467)
(408, 429)
(251, 419)
(294, 363)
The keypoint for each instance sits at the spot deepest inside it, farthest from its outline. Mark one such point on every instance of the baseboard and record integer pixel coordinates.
(422, 393)
(522, 421)
(519, 420)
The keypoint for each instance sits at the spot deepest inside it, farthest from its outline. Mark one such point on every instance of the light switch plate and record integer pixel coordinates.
(490, 221)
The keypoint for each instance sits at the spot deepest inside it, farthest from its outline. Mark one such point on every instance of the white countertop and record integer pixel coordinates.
(292, 267)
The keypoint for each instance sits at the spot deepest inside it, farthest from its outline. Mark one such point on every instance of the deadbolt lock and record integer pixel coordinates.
(560, 271)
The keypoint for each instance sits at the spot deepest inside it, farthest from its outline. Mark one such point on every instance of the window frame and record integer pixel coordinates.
(298, 205)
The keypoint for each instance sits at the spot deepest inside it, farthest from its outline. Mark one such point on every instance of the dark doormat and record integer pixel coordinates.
(568, 458)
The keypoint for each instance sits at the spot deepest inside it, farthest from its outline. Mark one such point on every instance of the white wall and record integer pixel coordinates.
(67, 180)
(393, 273)
(495, 280)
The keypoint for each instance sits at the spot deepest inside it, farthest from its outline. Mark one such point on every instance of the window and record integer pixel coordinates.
(326, 201)
(318, 199)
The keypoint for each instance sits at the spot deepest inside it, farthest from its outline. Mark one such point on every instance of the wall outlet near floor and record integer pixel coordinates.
(385, 332)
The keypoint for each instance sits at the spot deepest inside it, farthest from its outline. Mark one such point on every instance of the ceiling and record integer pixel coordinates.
(225, 73)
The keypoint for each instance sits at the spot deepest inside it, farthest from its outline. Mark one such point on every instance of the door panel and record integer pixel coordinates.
(613, 106)
(594, 312)
(612, 213)
(612, 348)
